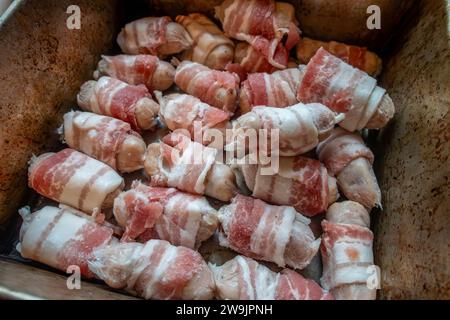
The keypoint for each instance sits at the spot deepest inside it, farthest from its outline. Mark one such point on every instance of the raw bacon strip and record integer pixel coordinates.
(211, 47)
(300, 182)
(300, 127)
(154, 270)
(346, 156)
(106, 139)
(347, 252)
(341, 148)
(217, 88)
(248, 60)
(275, 53)
(265, 232)
(273, 90)
(358, 57)
(292, 286)
(262, 23)
(73, 178)
(184, 164)
(189, 166)
(182, 111)
(331, 81)
(158, 36)
(117, 99)
(252, 61)
(61, 238)
(143, 69)
(245, 279)
(164, 213)
(342, 88)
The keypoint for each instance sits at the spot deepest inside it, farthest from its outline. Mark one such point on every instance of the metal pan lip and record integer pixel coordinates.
(9, 12)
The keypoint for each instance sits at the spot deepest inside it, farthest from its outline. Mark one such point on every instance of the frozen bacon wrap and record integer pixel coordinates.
(189, 166)
(182, 111)
(219, 89)
(61, 238)
(106, 139)
(342, 88)
(358, 57)
(159, 36)
(347, 253)
(277, 234)
(300, 182)
(143, 69)
(263, 24)
(117, 99)
(245, 279)
(300, 127)
(154, 270)
(278, 89)
(211, 47)
(181, 218)
(74, 179)
(347, 157)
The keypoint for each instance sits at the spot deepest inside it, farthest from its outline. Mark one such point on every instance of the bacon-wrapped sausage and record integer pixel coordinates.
(211, 47)
(245, 279)
(300, 182)
(159, 36)
(217, 88)
(347, 252)
(265, 232)
(106, 139)
(278, 89)
(115, 98)
(347, 157)
(182, 111)
(189, 166)
(143, 69)
(342, 88)
(261, 23)
(358, 57)
(300, 126)
(181, 218)
(154, 270)
(61, 238)
(73, 178)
